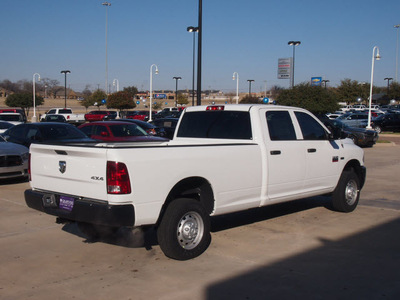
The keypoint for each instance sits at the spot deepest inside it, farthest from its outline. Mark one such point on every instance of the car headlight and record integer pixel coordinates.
(25, 156)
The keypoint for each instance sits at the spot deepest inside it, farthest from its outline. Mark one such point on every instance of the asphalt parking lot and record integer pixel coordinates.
(300, 249)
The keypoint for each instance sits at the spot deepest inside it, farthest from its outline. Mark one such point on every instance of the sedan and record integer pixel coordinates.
(354, 119)
(360, 136)
(45, 132)
(117, 132)
(99, 115)
(13, 160)
(54, 118)
(386, 122)
(149, 128)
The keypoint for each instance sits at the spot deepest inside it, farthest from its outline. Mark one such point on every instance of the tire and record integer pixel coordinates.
(378, 129)
(184, 230)
(347, 193)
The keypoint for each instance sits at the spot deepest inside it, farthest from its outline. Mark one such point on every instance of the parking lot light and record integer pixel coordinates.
(377, 57)
(34, 97)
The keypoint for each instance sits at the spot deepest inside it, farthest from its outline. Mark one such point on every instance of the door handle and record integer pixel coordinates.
(311, 150)
(275, 152)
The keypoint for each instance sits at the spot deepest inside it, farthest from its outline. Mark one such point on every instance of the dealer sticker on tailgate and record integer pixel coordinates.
(66, 203)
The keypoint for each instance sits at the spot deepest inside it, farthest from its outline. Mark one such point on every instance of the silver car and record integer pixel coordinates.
(13, 160)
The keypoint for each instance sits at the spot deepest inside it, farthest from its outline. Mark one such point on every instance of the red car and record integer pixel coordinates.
(142, 115)
(117, 132)
(99, 115)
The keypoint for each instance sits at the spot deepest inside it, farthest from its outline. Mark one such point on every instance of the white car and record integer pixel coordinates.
(13, 118)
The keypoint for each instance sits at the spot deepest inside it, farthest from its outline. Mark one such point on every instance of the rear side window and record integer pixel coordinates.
(310, 128)
(216, 124)
(280, 126)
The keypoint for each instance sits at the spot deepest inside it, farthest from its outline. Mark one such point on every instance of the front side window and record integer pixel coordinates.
(310, 128)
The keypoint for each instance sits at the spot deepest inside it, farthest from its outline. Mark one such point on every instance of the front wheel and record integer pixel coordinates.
(347, 193)
(378, 129)
(184, 230)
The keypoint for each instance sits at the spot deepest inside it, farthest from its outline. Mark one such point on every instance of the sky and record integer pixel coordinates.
(244, 36)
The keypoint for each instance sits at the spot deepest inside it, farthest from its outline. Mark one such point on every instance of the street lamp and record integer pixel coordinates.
(151, 88)
(250, 81)
(116, 83)
(388, 83)
(199, 36)
(236, 76)
(377, 57)
(65, 72)
(176, 88)
(34, 97)
(294, 44)
(194, 30)
(106, 4)
(397, 50)
(324, 82)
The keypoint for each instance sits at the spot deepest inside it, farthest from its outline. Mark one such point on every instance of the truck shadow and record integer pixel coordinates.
(146, 237)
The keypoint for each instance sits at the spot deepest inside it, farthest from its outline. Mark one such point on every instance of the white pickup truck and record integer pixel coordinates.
(222, 159)
(70, 117)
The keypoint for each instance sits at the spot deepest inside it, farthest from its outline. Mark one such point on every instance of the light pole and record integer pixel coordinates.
(176, 89)
(106, 4)
(397, 50)
(236, 76)
(34, 97)
(199, 36)
(324, 82)
(377, 57)
(294, 44)
(250, 81)
(194, 30)
(65, 72)
(388, 83)
(151, 88)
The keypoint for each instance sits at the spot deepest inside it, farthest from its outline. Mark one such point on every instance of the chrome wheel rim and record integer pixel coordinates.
(351, 192)
(190, 230)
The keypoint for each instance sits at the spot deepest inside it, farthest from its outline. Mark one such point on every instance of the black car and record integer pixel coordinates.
(168, 124)
(151, 129)
(54, 132)
(360, 136)
(386, 122)
(54, 118)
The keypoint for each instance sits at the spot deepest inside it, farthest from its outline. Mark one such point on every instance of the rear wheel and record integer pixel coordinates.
(347, 193)
(184, 231)
(378, 129)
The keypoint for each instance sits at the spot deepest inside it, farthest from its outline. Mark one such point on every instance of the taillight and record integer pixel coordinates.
(215, 107)
(29, 167)
(151, 131)
(117, 178)
(68, 117)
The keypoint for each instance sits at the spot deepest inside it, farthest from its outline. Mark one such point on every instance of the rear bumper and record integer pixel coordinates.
(83, 210)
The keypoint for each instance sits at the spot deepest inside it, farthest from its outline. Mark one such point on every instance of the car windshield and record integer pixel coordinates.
(124, 130)
(339, 124)
(380, 117)
(5, 125)
(61, 132)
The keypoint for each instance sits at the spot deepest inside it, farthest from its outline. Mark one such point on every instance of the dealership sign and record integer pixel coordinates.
(284, 68)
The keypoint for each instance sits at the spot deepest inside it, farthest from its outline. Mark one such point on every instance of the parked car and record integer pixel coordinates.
(142, 115)
(386, 122)
(117, 131)
(54, 118)
(168, 124)
(359, 107)
(70, 117)
(99, 115)
(360, 136)
(45, 132)
(5, 125)
(13, 160)
(355, 119)
(13, 118)
(168, 114)
(14, 110)
(151, 129)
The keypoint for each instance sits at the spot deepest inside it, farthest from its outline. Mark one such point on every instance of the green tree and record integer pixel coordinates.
(316, 99)
(132, 90)
(394, 91)
(97, 97)
(23, 100)
(350, 90)
(157, 105)
(120, 100)
(182, 99)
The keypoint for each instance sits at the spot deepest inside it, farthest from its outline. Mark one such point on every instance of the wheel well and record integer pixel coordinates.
(196, 188)
(358, 169)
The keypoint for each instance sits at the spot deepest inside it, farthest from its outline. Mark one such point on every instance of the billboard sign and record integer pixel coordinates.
(160, 96)
(284, 68)
(316, 81)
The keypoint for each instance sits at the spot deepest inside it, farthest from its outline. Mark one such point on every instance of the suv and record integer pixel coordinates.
(386, 122)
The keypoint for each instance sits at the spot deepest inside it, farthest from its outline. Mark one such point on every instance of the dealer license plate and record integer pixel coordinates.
(66, 203)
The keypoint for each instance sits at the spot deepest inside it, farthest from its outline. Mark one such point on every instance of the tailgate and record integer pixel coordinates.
(72, 170)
